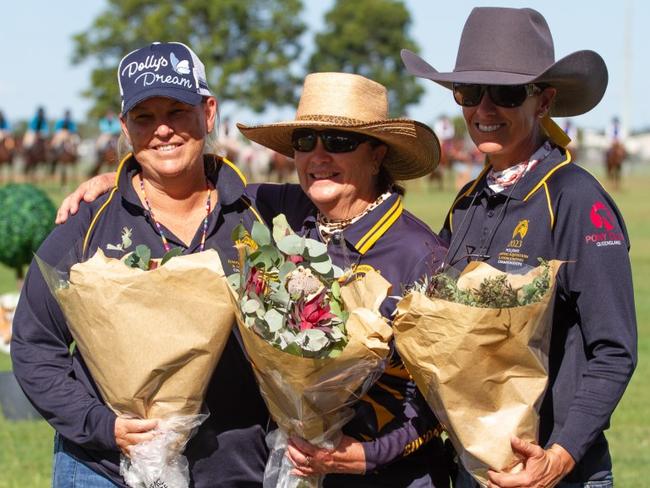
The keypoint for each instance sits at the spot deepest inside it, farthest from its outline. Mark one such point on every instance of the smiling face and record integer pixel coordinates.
(168, 136)
(341, 185)
(508, 136)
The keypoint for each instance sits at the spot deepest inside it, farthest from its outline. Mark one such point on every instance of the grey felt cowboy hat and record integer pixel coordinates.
(508, 46)
(353, 103)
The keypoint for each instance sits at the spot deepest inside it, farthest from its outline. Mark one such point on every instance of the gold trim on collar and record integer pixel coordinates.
(548, 175)
(380, 228)
(235, 169)
(103, 207)
(466, 194)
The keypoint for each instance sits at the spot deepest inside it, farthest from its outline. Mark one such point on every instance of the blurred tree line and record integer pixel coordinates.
(253, 50)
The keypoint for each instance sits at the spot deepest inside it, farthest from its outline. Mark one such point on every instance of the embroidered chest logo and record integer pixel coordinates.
(126, 241)
(603, 220)
(513, 255)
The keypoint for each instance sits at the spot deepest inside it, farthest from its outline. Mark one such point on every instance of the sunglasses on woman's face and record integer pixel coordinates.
(506, 96)
(334, 141)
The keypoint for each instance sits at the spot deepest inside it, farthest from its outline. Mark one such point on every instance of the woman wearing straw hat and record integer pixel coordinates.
(348, 156)
(532, 201)
(167, 194)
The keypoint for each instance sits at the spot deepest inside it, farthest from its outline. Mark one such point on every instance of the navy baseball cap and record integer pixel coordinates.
(162, 69)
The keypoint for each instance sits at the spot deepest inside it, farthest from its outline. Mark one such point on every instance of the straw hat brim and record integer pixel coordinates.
(413, 148)
(579, 78)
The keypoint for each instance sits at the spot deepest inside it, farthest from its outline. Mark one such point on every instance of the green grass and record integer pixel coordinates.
(25, 448)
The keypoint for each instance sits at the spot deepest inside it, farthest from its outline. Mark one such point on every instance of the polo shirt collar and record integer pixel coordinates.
(364, 233)
(529, 183)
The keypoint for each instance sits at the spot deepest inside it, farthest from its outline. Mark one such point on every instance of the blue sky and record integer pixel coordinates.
(37, 48)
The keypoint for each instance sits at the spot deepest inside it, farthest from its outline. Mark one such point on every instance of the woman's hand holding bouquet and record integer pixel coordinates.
(477, 347)
(316, 342)
(151, 336)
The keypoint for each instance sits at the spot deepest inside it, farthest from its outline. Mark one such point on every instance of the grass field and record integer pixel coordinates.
(25, 447)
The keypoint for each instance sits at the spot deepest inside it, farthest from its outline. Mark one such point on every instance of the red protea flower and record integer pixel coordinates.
(314, 313)
(256, 282)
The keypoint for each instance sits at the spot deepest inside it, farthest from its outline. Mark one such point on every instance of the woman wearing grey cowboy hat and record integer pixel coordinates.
(508, 84)
(348, 156)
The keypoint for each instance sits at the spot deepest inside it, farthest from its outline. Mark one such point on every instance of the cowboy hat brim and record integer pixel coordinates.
(579, 78)
(413, 148)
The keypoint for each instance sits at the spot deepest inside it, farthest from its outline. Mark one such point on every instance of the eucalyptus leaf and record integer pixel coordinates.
(292, 245)
(322, 267)
(250, 306)
(132, 260)
(234, 280)
(281, 227)
(238, 233)
(293, 348)
(281, 296)
(274, 319)
(313, 340)
(315, 248)
(337, 272)
(144, 255)
(285, 269)
(177, 251)
(261, 234)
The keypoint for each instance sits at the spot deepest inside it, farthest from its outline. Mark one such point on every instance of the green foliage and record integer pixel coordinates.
(26, 218)
(247, 46)
(141, 258)
(365, 37)
(494, 292)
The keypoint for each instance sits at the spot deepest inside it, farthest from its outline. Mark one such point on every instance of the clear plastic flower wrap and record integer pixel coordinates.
(151, 336)
(309, 382)
(477, 348)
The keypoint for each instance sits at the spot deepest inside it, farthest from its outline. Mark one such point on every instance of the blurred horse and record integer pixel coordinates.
(438, 174)
(614, 158)
(64, 154)
(281, 168)
(105, 154)
(7, 153)
(36, 148)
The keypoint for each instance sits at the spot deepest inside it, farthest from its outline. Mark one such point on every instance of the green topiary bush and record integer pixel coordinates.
(26, 218)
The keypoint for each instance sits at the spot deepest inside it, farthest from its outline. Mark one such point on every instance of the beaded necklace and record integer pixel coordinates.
(327, 227)
(159, 227)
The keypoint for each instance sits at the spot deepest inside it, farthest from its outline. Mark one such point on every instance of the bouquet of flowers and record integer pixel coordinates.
(477, 347)
(316, 346)
(151, 336)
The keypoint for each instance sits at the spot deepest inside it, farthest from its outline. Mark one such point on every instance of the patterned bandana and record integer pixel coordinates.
(327, 227)
(500, 180)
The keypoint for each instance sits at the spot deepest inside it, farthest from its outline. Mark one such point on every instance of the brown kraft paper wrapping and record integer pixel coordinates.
(306, 396)
(151, 339)
(483, 371)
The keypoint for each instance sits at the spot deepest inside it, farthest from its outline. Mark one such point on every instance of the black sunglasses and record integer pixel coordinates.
(507, 96)
(334, 141)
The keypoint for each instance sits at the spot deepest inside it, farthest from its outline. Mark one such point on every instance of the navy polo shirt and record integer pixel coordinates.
(393, 421)
(228, 450)
(559, 211)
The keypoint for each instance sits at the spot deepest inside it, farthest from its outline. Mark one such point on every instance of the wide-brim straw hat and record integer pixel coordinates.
(508, 46)
(353, 103)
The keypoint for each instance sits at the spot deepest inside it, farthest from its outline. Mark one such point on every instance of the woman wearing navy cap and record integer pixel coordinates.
(348, 156)
(508, 84)
(167, 194)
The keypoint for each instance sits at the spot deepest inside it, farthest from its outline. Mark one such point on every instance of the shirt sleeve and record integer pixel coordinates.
(596, 281)
(419, 425)
(42, 361)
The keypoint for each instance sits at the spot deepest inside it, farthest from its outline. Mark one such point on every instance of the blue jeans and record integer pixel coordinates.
(608, 482)
(69, 472)
(465, 480)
